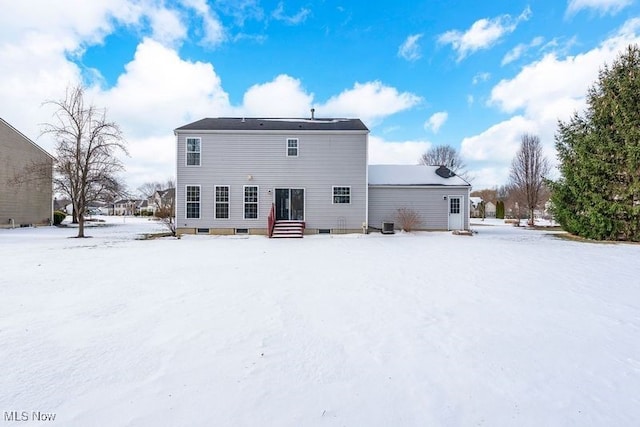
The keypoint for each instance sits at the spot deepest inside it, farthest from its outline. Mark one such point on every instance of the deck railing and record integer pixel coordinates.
(271, 220)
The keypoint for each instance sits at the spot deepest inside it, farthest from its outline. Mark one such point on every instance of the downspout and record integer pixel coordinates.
(365, 225)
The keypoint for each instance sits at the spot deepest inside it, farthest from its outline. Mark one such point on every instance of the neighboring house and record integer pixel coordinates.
(475, 205)
(436, 194)
(490, 210)
(26, 184)
(127, 206)
(231, 172)
(162, 199)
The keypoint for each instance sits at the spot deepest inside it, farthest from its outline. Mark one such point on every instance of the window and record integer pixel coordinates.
(193, 201)
(341, 194)
(454, 204)
(250, 202)
(292, 147)
(193, 151)
(222, 202)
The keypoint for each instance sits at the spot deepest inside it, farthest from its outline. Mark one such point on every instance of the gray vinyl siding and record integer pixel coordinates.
(427, 201)
(234, 158)
(30, 200)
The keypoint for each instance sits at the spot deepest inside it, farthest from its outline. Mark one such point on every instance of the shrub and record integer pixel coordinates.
(58, 217)
(408, 219)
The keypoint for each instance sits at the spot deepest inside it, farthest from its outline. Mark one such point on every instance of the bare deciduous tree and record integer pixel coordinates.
(86, 147)
(445, 155)
(528, 170)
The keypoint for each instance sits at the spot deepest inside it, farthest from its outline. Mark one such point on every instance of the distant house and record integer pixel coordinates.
(482, 209)
(26, 185)
(437, 195)
(475, 206)
(242, 175)
(161, 199)
(127, 206)
(490, 210)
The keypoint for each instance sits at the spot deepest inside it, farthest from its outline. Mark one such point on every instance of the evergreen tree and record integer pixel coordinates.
(500, 209)
(598, 194)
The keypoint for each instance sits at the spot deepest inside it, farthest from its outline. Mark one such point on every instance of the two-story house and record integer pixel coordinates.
(26, 183)
(236, 175)
(232, 170)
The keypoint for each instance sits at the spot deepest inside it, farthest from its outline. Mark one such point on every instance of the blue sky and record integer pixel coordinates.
(419, 73)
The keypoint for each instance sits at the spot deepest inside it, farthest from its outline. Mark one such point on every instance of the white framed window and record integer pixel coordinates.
(250, 202)
(193, 201)
(292, 147)
(193, 146)
(221, 209)
(341, 195)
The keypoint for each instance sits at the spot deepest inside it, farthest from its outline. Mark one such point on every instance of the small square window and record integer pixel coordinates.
(292, 147)
(341, 195)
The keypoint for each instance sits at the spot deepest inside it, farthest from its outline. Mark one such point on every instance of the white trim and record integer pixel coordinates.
(186, 193)
(215, 202)
(297, 146)
(257, 202)
(186, 151)
(333, 194)
(461, 213)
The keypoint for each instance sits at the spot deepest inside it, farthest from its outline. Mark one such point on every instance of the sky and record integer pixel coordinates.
(419, 74)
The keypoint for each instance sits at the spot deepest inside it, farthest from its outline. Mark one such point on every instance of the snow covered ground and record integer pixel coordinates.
(510, 327)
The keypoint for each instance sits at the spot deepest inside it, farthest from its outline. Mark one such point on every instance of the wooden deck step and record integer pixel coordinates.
(288, 229)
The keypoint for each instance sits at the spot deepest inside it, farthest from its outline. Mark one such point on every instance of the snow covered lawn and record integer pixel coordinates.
(510, 327)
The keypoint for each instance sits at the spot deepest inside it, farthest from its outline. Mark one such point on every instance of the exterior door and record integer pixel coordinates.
(289, 204)
(456, 209)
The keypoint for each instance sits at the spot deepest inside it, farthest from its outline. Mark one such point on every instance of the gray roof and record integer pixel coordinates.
(241, 123)
(404, 175)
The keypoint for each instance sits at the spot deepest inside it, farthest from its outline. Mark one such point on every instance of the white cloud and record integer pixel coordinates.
(279, 15)
(214, 32)
(560, 81)
(515, 53)
(482, 34)
(371, 101)
(167, 26)
(395, 153)
(480, 77)
(544, 91)
(410, 49)
(259, 99)
(159, 90)
(498, 143)
(435, 122)
(602, 6)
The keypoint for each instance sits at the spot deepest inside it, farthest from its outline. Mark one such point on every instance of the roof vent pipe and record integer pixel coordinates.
(313, 110)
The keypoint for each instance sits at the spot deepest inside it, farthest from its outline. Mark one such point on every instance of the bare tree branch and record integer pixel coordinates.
(86, 148)
(528, 170)
(445, 155)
